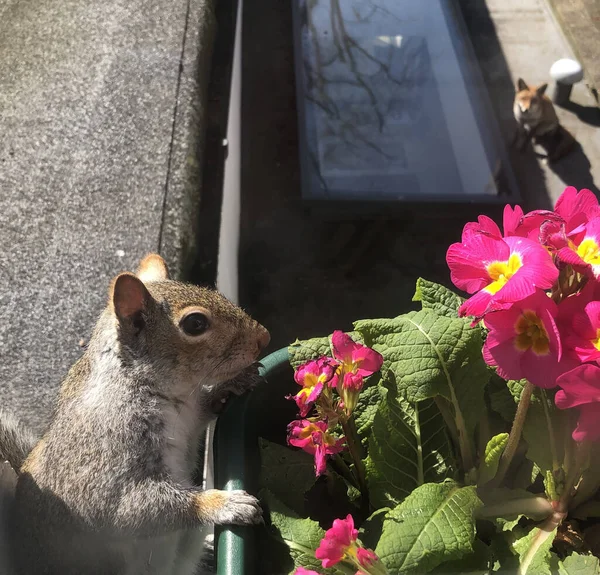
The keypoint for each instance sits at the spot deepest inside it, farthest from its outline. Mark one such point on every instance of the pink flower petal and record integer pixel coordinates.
(588, 424)
(343, 346)
(571, 203)
(303, 571)
(511, 219)
(366, 557)
(476, 305)
(467, 261)
(579, 386)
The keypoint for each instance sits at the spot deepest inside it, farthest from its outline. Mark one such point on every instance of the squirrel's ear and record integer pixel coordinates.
(153, 269)
(541, 89)
(521, 85)
(129, 297)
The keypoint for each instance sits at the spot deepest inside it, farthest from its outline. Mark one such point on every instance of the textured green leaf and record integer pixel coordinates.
(515, 386)
(579, 564)
(476, 563)
(287, 473)
(431, 355)
(491, 458)
(540, 562)
(506, 524)
(305, 350)
(433, 525)
(586, 510)
(408, 446)
(501, 399)
(539, 427)
(368, 403)
(302, 536)
(437, 298)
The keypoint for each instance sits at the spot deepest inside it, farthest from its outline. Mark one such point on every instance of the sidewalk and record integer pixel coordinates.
(101, 137)
(522, 38)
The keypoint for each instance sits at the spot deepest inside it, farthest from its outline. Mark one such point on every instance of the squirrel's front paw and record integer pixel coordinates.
(239, 508)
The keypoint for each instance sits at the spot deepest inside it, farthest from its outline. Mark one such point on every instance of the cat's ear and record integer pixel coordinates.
(521, 85)
(542, 89)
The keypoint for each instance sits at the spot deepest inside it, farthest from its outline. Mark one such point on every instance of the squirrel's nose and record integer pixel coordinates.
(264, 338)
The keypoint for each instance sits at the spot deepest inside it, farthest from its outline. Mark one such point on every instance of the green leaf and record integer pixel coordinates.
(288, 474)
(302, 536)
(368, 403)
(437, 298)
(370, 531)
(305, 350)
(491, 458)
(506, 524)
(579, 564)
(408, 446)
(515, 386)
(501, 399)
(586, 510)
(541, 428)
(432, 355)
(533, 549)
(433, 525)
(476, 563)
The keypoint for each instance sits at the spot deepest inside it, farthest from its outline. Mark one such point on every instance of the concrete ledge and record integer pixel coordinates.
(101, 143)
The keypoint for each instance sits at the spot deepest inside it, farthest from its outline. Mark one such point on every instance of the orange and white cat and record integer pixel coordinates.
(536, 119)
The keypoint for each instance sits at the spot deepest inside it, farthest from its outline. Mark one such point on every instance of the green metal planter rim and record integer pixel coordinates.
(233, 544)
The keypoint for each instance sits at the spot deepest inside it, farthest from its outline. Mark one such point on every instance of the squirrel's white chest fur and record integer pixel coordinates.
(182, 429)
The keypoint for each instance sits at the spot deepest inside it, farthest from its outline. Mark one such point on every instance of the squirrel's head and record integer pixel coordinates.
(528, 100)
(181, 331)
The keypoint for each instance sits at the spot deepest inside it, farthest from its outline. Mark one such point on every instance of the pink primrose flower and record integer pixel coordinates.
(501, 271)
(524, 342)
(340, 544)
(312, 376)
(313, 438)
(581, 389)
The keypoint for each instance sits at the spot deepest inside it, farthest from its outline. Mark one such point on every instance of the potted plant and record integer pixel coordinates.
(461, 437)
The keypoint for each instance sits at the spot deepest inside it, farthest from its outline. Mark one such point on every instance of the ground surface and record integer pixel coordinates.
(100, 144)
(303, 275)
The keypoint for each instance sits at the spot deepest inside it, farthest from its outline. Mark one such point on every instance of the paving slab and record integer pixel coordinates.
(101, 115)
(522, 38)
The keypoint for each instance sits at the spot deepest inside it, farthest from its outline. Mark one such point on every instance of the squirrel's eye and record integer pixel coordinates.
(194, 323)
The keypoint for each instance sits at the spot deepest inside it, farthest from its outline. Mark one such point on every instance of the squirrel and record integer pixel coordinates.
(113, 472)
(536, 118)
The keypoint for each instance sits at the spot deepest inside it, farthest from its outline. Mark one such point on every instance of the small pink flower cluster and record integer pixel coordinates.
(537, 289)
(340, 544)
(345, 373)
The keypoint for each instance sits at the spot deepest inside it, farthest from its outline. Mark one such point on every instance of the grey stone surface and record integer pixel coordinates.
(100, 143)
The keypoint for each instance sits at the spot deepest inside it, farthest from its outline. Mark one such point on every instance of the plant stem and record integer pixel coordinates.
(551, 438)
(515, 434)
(354, 448)
(344, 470)
(545, 530)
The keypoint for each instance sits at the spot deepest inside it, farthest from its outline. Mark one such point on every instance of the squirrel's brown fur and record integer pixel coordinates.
(116, 463)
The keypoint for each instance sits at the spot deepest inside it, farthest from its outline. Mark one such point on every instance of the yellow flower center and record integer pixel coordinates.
(309, 430)
(304, 392)
(589, 252)
(596, 342)
(531, 334)
(501, 272)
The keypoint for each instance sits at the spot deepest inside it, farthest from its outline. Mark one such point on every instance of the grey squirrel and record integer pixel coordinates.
(114, 469)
